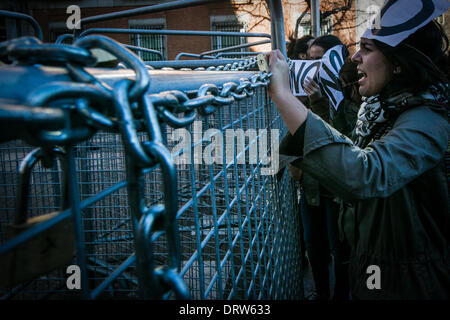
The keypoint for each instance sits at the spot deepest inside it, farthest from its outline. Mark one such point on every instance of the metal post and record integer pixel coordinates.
(171, 5)
(20, 16)
(315, 17)
(277, 25)
(74, 196)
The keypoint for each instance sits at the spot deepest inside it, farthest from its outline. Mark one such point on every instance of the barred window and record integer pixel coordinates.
(326, 27)
(227, 25)
(149, 41)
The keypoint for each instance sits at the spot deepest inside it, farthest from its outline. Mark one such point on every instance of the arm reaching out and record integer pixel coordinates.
(292, 111)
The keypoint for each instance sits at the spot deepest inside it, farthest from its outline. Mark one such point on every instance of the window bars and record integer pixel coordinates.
(163, 178)
(154, 42)
(221, 42)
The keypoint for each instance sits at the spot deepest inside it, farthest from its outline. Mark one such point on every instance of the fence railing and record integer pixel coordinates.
(160, 183)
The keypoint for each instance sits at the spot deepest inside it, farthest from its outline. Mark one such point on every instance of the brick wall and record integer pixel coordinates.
(192, 18)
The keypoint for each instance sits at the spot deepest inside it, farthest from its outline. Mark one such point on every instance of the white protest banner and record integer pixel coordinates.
(398, 19)
(332, 62)
(299, 71)
(324, 71)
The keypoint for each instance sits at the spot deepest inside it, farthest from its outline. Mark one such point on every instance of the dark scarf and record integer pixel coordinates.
(376, 116)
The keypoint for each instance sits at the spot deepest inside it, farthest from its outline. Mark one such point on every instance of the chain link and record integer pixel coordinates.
(209, 97)
(134, 110)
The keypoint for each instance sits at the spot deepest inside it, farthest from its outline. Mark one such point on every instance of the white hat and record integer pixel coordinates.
(398, 19)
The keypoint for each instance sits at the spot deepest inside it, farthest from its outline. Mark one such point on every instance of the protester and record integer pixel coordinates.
(290, 46)
(392, 177)
(321, 210)
(298, 49)
(317, 49)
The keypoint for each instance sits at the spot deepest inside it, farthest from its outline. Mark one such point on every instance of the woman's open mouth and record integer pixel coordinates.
(361, 76)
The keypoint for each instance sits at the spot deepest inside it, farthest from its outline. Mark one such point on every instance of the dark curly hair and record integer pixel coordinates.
(329, 41)
(297, 46)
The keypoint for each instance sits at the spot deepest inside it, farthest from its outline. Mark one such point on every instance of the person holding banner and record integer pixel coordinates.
(298, 48)
(393, 177)
(320, 213)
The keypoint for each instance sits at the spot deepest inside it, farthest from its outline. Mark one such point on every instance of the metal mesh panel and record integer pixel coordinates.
(238, 228)
(232, 225)
(107, 225)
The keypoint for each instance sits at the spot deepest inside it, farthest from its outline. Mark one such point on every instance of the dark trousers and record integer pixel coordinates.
(321, 235)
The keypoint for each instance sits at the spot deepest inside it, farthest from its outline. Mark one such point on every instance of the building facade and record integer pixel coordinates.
(345, 18)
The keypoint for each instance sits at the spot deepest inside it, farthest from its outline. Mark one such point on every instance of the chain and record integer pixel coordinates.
(209, 97)
(168, 104)
(47, 157)
(134, 110)
(74, 128)
(29, 50)
(250, 64)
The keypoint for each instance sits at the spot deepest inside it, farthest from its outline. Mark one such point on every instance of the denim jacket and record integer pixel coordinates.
(344, 121)
(398, 186)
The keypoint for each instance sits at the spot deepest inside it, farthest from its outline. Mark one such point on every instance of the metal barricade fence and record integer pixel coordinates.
(210, 222)
(238, 228)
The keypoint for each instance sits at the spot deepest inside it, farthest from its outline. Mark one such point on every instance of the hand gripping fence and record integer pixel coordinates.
(75, 111)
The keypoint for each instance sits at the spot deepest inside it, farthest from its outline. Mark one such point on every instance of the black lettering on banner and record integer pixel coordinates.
(336, 61)
(299, 77)
(422, 16)
(327, 84)
(296, 77)
(310, 67)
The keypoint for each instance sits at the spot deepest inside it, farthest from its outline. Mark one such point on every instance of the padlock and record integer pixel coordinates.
(262, 63)
(50, 249)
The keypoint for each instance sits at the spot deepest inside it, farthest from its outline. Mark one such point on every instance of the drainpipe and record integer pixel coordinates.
(315, 18)
(277, 25)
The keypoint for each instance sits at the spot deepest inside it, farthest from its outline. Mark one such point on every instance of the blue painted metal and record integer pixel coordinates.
(74, 200)
(29, 19)
(204, 267)
(146, 225)
(192, 55)
(171, 5)
(174, 32)
(245, 45)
